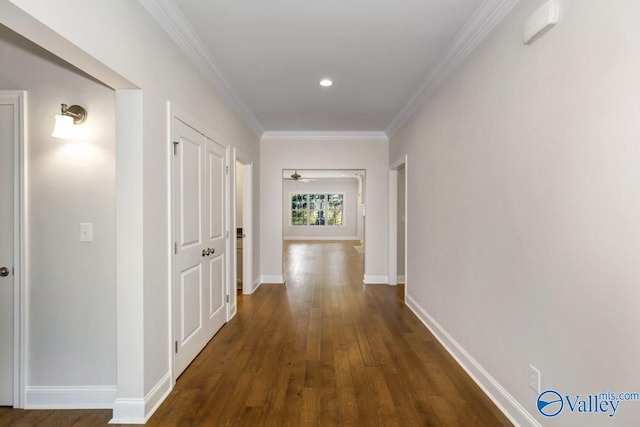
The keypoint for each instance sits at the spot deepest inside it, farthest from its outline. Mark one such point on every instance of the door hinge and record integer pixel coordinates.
(175, 248)
(226, 169)
(226, 234)
(175, 147)
(176, 346)
(227, 299)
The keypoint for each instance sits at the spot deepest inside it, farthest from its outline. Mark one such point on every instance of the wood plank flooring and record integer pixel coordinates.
(324, 350)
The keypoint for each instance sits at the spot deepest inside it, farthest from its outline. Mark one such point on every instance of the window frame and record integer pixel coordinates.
(308, 209)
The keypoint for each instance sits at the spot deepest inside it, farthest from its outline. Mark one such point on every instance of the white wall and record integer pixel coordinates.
(349, 229)
(71, 289)
(524, 205)
(119, 38)
(367, 153)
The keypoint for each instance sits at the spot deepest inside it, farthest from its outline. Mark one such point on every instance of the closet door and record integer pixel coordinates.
(199, 299)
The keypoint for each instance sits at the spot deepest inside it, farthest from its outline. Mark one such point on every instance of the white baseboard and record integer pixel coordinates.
(375, 280)
(128, 411)
(276, 280)
(138, 411)
(354, 238)
(70, 397)
(249, 289)
(509, 406)
(400, 279)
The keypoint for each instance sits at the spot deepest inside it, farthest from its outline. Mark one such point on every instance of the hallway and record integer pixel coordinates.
(323, 350)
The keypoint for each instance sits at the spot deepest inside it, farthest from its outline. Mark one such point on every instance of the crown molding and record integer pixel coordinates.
(174, 23)
(482, 22)
(301, 136)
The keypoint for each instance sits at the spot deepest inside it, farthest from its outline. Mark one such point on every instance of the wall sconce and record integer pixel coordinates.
(65, 121)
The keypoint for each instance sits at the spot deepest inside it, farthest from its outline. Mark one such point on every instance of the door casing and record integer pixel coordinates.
(176, 112)
(18, 99)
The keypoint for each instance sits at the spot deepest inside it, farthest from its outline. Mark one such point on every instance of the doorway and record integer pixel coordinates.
(401, 223)
(12, 111)
(244, 226)
(324, 205)
(398, 232)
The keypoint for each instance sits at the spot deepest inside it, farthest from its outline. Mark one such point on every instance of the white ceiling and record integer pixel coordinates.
(385, 56)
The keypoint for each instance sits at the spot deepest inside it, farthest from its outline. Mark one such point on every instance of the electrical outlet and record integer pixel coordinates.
(534, 379)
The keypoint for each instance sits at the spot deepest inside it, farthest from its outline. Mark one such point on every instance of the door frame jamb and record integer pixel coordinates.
(18, 98)
(393, 220)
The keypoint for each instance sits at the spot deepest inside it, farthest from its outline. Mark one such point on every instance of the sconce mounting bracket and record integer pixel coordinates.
(78, 113)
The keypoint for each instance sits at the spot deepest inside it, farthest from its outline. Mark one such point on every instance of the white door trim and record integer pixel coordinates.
(393, 221)
(19, 101)
(247, 223)
(393, 227)
(247, 228)
(175, 111)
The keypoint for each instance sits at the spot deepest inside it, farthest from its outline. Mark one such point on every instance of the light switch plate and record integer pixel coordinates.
(86, 232)
(534, 379)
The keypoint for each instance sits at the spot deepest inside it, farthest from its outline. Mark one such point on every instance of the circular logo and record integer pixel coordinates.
(550, 403)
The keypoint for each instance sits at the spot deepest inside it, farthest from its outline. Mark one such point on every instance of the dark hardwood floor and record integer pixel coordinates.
(324, 350)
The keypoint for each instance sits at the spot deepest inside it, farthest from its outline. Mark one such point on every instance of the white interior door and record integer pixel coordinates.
(8, 127)
(199, 284)
(215, 227)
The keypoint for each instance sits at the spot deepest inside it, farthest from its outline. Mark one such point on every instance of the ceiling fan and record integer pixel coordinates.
(295, 176)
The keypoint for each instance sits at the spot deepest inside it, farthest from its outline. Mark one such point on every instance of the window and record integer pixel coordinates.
(317, 209)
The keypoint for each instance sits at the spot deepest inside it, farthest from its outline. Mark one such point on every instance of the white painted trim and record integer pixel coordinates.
(157, 395)
(70, 397)
(274, 280)
(18, 100)
(375, 280)
(128, 411)
(255, 285)
(509, 406)
(483, 21)
(405, 278)
(320, 238)
(130, 360)
(230, 241)
(301, 136)
(170, 249)
(21, 349)
(398, 163)
(138, 411)
(393, 220)
(393, 228)
(200, 126)
(174, 23)
(176, 112)
(247, 227)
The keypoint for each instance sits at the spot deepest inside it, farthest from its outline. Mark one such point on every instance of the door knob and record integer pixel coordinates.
(4, 271)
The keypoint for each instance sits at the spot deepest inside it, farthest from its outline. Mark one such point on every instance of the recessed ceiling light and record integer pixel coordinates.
(325, 83)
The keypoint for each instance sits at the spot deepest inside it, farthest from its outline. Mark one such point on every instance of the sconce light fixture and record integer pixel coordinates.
(65, 121)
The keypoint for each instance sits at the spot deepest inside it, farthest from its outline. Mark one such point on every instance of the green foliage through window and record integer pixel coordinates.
(317, 209)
